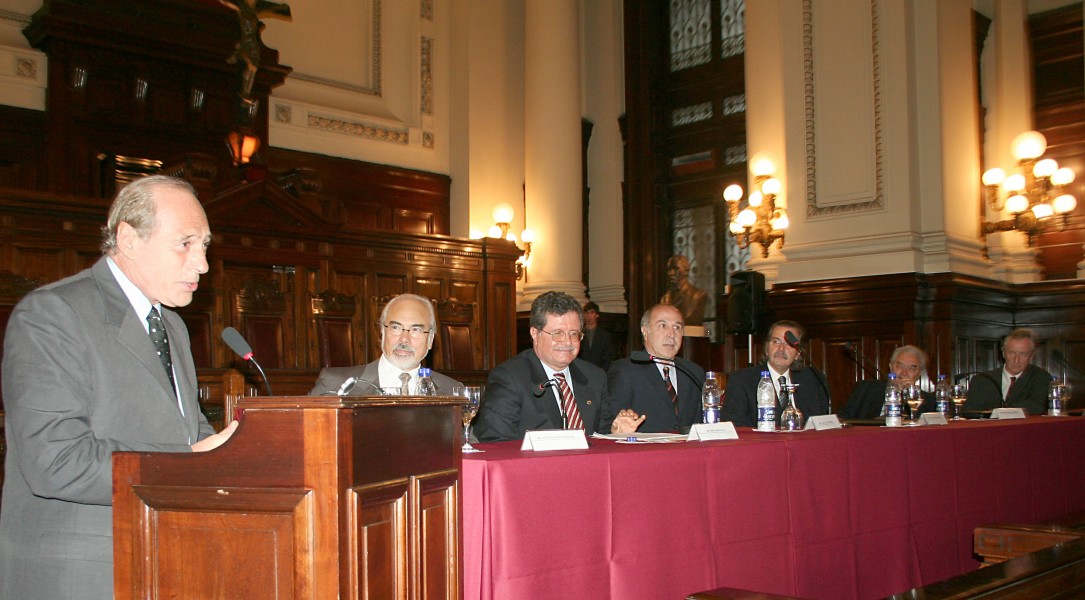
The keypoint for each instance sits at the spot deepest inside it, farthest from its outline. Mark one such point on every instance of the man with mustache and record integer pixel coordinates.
(545, 386)
(660, 395)
(781, 361)
(407, 326)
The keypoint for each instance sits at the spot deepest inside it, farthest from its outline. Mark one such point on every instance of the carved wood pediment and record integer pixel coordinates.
(265, 204)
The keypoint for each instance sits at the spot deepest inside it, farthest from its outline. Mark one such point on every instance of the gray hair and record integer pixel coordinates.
(422, 299)
(912, 350)
(1021, 333)
(135, 205)
(553, 303)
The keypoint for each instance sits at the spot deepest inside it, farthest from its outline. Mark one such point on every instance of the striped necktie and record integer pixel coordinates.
(568, 404)
(670, 388)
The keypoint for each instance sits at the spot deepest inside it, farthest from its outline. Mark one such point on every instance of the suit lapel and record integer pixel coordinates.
(547, 401)
(131, 332)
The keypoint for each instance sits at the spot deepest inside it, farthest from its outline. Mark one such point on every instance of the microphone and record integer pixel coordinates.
(541, 388)
(865, 365)
(642, 357)
(242, 348)
(961, 376)
(351, 383)
(793, 341)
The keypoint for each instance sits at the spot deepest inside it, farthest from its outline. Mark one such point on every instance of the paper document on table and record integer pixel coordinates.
(639, 438)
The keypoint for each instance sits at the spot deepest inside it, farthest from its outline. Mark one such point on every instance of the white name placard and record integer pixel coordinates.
(822, 422)
(933, 418)
(1008, 413)
(703, 432)
(555, 439)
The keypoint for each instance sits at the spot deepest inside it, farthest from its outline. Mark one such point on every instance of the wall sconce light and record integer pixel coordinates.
(242, 144)
(759, 221)
(503, 214)
(1034, 194)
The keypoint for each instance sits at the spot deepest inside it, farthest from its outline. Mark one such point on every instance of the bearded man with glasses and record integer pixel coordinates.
(545, 386)
(407, 327)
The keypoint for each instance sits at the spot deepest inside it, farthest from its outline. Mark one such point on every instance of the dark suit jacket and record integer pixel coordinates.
(740, 400)
(81, 381)
(331, 378)
(868, 396)
(640, 386)
(1029, 391)
(601, 351)
(510, 405)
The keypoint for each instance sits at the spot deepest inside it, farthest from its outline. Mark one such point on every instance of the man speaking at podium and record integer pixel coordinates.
(93, 364)
(408, 325)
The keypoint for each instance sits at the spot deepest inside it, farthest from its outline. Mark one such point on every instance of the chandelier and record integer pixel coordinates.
(758, 220)
(1034, 194)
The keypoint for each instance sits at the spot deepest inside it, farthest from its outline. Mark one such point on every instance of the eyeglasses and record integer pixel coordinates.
(904, 367)
(415, 331)
(562, 335)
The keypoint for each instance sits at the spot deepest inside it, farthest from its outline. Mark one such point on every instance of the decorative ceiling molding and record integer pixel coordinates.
(878, 201)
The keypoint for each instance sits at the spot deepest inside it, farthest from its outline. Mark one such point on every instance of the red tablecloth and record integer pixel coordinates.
(858, 513)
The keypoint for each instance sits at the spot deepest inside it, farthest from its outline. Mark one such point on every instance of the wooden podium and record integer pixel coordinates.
(313, 497)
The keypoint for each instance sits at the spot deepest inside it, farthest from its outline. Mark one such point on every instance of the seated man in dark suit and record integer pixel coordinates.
(781, 360)
(1018, 384)
(867, 399)
(598, 346)
(545, 386)
(661, 390)
(408, 325)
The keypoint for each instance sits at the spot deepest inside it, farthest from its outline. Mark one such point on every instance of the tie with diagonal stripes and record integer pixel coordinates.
(572, 414)
(157, 330)
(670, 388)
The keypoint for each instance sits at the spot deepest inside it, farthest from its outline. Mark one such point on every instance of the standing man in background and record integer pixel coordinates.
(408, 325)
(94, 364)
(598, 346)
(1018, 384)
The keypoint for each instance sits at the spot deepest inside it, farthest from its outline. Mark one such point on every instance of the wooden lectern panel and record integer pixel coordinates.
(313, 497)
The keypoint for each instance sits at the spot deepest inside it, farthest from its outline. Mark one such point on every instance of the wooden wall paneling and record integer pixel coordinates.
(333, 320)
(369, 196)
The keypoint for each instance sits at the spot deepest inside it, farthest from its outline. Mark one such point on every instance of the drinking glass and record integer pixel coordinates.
(471, 395)
(959, 392)
(911, 394)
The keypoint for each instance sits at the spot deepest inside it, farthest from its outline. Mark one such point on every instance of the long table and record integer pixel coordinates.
(862, 512)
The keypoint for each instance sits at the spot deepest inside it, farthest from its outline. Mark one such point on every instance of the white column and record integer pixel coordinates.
(604, 102)
(552, 167)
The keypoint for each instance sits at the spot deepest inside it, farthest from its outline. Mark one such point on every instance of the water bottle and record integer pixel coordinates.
(766, 404)
(425, 386)
(791, 418)
(1055, 392)
(710, 398)
(892, 402)
(942, 395)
